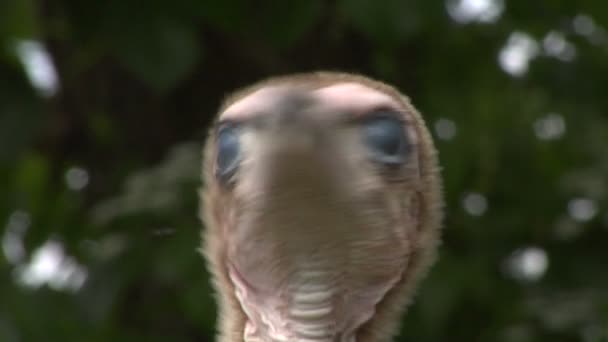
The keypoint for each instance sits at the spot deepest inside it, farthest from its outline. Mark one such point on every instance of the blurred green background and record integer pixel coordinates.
(104, 107)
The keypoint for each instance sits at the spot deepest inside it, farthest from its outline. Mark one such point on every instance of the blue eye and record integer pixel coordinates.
(385, 137)
(228, 152)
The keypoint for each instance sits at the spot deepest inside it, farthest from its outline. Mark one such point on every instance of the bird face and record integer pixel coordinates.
(315, 200)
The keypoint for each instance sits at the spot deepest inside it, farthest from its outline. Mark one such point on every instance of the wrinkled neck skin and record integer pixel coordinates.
(316, 244)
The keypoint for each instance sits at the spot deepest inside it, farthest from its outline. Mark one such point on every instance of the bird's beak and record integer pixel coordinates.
(296, 146)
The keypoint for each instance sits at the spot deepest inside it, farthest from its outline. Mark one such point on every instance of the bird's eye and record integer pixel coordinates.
(386, 139)
(228, 152)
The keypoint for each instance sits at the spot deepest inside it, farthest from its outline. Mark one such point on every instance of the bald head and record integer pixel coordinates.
(354, 98)
(322, 209)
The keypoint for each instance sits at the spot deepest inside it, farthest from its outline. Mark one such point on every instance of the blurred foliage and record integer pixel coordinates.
(108, 166)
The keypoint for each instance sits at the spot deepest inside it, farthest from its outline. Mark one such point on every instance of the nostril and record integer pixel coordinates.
(293, 107)
(290, 117)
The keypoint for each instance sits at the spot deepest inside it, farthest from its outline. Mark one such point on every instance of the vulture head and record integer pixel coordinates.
(322, 208)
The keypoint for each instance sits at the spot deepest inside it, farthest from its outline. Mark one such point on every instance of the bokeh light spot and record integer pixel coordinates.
(514, 58)
(556, 45)
(77, 178)
(550, 127)
(582, 209)
(445, 129)
(14, 232)
(483, 11)
(528, 264)
(583, 25)
(38, 66)
(475, 204)
(50, 265)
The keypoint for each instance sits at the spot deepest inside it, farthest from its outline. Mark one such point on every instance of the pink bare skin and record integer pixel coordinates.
(310, 239)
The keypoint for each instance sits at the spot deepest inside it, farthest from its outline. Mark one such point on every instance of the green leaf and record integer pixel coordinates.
(385, 22)
(160, 55)
(290, 20)
(17, 20)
